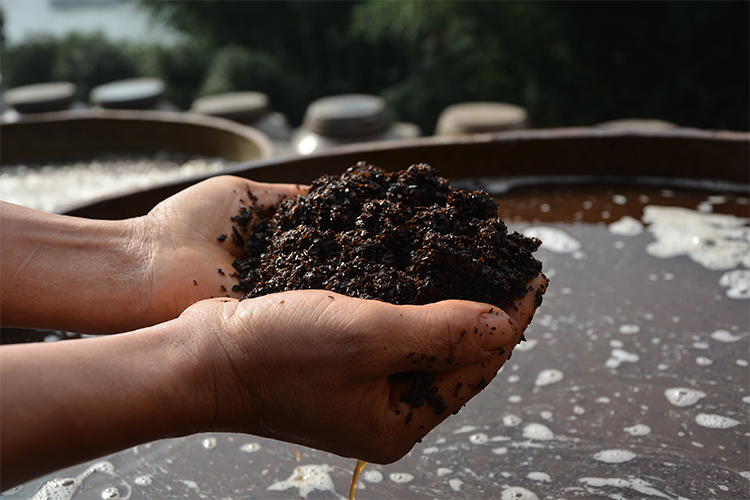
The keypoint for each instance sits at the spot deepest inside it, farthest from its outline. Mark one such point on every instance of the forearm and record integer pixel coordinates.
(71, 401)
(69, 273)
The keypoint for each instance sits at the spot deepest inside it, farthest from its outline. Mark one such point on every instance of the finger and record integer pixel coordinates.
(522, 309)
(421, 401)
(440, 336)
(420, 404)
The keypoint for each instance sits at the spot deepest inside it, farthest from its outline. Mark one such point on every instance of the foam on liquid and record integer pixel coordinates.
(307, 478)
(683, 396)
(554, 239)
(715, 241)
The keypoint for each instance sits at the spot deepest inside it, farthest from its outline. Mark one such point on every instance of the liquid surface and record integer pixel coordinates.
(56, 185)
(611, 397)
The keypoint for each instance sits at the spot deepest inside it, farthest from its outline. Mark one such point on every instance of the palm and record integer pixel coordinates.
(193, 243)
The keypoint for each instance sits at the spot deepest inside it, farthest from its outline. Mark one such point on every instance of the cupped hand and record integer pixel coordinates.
(326, 371)
(191, 241)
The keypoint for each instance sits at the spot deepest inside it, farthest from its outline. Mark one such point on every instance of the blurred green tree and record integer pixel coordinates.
(87, 60)
(569, 63)
(236, 68)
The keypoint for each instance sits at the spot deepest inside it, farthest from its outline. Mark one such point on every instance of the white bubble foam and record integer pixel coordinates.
(746, 400)
(64, 488)
(619, 199)
(538, 432)
(715, 241)
(430, 450)
(737, 282)
(502, 450)
(518, 493)
(110, 492)
(636, 484)
(58, 489)
(629, 329)
(478, 438)
(542, 477)
(60, 184)
(627, 226)
(455, 484)
(374, 476)
(401, 477)
(614, 456)
(554, 239)
(515, 398)
(444, 471)
(527, 346)
(144, 480)
(307, 478)
(548, 376)
(704, 361)
(512, 420)
(683, 396)
(466, 428)
(714, 421)
(619, 356)
(638, 430)
(725, 336)
(250, 447)
(209, 443)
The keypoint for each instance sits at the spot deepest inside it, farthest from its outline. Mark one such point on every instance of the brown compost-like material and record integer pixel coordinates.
(402, 237)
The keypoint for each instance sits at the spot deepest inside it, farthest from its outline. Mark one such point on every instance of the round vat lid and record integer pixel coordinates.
(41, 97)
(479, 117)
(134, 93)
(238, 106)
(347, 115)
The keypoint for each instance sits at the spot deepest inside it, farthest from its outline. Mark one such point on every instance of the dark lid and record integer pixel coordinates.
(134, 93)
(41, 97)
(479, 117)
(238, 106)
(348, 115)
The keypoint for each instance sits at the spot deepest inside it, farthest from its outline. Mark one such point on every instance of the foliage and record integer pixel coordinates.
(85, 59)
(568, 63)
(183, 67)
(237, 68)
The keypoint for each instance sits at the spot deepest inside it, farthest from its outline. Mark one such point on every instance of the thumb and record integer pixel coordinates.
(441, 336)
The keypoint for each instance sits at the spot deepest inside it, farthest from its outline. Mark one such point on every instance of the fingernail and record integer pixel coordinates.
(497, 330)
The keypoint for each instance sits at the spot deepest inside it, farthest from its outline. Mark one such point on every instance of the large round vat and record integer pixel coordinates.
(51, 161)
(634, 381)
(77, 133)
(683, 153)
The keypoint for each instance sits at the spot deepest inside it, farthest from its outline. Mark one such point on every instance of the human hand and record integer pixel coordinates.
(191, 242)
(316, 368)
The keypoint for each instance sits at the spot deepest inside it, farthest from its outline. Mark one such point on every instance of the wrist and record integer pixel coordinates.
(217, 376)
(69, 273)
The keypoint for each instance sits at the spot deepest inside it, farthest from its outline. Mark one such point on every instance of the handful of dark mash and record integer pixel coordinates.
(402, 237)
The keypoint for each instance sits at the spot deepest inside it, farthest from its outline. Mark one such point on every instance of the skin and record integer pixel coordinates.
(98, 276)
(309, 367)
